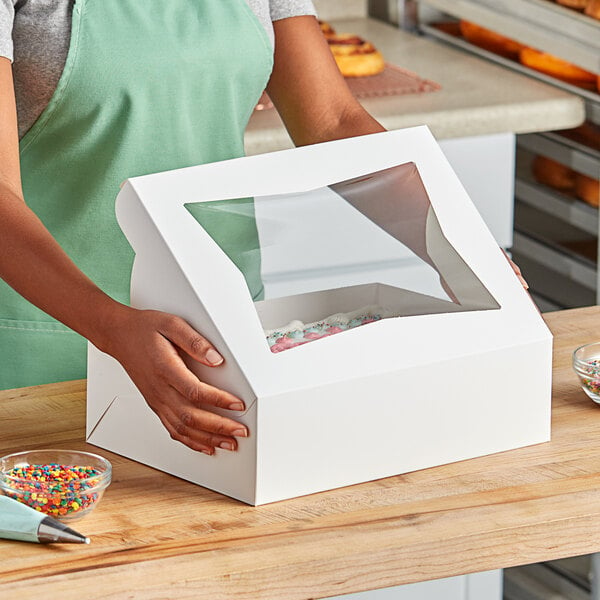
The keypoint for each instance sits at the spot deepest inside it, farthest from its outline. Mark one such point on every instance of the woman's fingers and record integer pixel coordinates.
(188, 416)
(191, 425)
(183, 335)
(180, 404)
(179, 437)
(200, 429)
(516, 270)
(150, 345)
(199, 393)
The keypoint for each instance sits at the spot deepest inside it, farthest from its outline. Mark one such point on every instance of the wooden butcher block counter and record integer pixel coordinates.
(155, 536)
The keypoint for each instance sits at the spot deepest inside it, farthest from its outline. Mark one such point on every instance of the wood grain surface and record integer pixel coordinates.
(155, 536)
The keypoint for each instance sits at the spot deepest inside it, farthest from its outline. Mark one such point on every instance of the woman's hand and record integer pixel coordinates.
(516, 270)
(149, 345)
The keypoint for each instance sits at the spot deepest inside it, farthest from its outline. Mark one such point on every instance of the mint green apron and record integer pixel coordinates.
(148, 86)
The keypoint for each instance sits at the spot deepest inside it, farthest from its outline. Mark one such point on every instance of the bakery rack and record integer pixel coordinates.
(540, 24)
(550, 227)
(562, 273)
(574, 212)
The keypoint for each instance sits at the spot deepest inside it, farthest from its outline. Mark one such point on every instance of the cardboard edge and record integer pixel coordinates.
(90, 433)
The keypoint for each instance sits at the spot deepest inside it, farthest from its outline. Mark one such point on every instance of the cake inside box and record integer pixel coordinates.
(315, 317)
(321, 262)
(297, 333)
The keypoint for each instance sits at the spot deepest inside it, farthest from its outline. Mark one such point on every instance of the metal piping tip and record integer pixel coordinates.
(50, 530)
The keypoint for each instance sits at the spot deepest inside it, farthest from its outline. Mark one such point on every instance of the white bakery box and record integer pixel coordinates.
(459, 365)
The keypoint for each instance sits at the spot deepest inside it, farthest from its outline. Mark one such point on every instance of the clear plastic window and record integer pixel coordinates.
(338, 257)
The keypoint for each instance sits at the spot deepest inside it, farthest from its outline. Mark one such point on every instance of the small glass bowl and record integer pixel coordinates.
(64, 484)
(586, 363)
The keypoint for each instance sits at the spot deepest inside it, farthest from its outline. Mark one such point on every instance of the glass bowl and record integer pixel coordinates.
(586, 363)
(64, 484)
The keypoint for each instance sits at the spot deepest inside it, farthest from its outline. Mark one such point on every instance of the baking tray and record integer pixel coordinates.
(572, 211)
(591, 99)
(582, 159)
(576, 268)
(538, 23)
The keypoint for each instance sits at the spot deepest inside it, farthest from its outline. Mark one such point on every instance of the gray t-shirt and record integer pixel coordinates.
(35, 34)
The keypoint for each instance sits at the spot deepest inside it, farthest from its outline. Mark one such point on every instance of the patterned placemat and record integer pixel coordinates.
(392, 81)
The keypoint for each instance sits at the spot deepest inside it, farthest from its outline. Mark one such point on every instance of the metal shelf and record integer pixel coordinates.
(553, 202)
(538, 23)
(591, 99)
(555, 260)
(538, 581)
(544, 305)
(563, 277)
(580, 158)
(551, 286)
(574, 212)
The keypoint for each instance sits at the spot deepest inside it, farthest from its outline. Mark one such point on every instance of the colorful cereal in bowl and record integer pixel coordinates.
(65, 484)
(586, 363)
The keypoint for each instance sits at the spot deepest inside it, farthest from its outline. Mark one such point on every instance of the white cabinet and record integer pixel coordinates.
(485, 166)
(477, 586)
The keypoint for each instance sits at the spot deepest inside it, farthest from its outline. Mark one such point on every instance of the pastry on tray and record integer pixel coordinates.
(587, 189)
(354, 56)
(326, 28)
(561, 177)
(553, 174)
(574, 4)
(558, 68)
(490, 40)
(593, 9)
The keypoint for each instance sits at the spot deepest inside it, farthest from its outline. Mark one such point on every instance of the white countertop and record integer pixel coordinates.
(477, 97)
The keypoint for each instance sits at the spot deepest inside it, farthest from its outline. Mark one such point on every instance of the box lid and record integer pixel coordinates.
(379, 220)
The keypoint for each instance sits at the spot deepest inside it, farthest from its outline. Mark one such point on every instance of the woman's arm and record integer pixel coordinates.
(316, 105)
(308, 89)
(145, 342)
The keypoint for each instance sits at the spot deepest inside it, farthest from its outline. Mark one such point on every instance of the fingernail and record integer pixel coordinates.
(236, 406)
(213, 357)
(207, 452)
(226, 445)
(240, 433)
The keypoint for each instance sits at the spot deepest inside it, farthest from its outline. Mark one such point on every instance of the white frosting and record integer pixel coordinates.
(338, 319)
